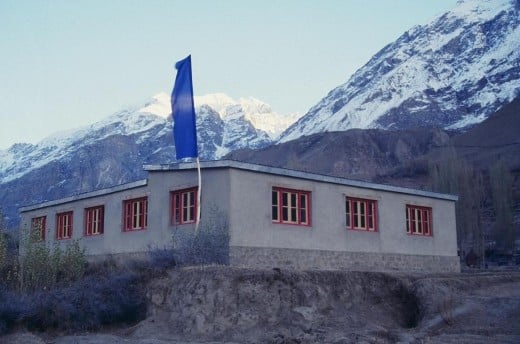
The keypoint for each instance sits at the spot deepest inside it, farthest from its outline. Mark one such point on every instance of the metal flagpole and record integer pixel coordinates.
(199, 192)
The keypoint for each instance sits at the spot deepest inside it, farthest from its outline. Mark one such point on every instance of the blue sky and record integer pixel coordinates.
(65, 64)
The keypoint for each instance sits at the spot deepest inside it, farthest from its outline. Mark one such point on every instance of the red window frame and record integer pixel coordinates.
(64, 225)
(135, 214)
(419, 220)
(361, 214)
(183, 206)
(38, 226)
(292, 207)
(94, 220)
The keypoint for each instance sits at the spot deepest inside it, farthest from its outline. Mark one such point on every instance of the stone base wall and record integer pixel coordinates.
(264, 257)
(119, 259)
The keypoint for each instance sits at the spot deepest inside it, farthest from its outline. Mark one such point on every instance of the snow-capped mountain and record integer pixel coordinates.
(223, 125)
(452, 73)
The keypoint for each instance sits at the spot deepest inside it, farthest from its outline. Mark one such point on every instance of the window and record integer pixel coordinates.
(94, 220)
(291, 206)
(418, 220)
(135, 214)
(38, 227)
(361, 214)
(64, 225)
(183, 206)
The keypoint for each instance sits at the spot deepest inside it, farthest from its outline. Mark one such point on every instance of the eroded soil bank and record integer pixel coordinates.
(224, 304)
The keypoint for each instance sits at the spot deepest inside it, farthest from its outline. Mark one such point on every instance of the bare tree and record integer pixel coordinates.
(454, 175)
(501, 182)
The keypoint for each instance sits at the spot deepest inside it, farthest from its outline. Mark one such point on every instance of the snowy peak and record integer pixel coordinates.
(479, 10)
(260, 115)
(453, 72)
(159, 105)
(217, 101)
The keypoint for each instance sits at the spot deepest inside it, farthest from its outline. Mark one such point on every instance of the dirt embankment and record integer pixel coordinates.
(223, 304)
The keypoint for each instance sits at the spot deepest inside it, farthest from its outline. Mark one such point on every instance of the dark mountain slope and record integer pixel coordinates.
(356, 153)
(498, 137)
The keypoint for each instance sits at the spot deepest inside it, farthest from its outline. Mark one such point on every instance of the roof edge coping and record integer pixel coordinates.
(85, 195)
(297, 174)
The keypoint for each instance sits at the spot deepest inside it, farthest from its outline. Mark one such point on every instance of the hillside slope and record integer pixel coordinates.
(231, 305)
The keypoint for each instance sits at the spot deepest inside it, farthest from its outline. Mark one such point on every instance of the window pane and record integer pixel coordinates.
(371, 208)
(347, 205)
(426, 222)
(274, 202)
(145, 214)
(407, 220)
(275, 213)
(184, 214)
(419, 221)
(293, 215)
(274, 198)
(192, 198)
(177, 207)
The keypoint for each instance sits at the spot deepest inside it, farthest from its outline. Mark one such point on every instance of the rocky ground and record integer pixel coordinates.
(231, 305)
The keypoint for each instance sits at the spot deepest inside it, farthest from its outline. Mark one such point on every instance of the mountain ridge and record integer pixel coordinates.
(218, 131)
(453, 72)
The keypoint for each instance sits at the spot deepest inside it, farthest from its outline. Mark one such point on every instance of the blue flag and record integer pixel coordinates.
(183, 110)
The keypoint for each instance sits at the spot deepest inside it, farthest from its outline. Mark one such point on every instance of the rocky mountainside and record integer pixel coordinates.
(112, 151)
(451, 73)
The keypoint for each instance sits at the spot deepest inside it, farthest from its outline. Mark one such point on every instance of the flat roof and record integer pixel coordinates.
(100, 192)
(296, 174)
(246, 167)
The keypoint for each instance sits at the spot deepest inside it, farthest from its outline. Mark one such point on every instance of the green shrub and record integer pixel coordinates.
(73, 262)
(43, 266)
